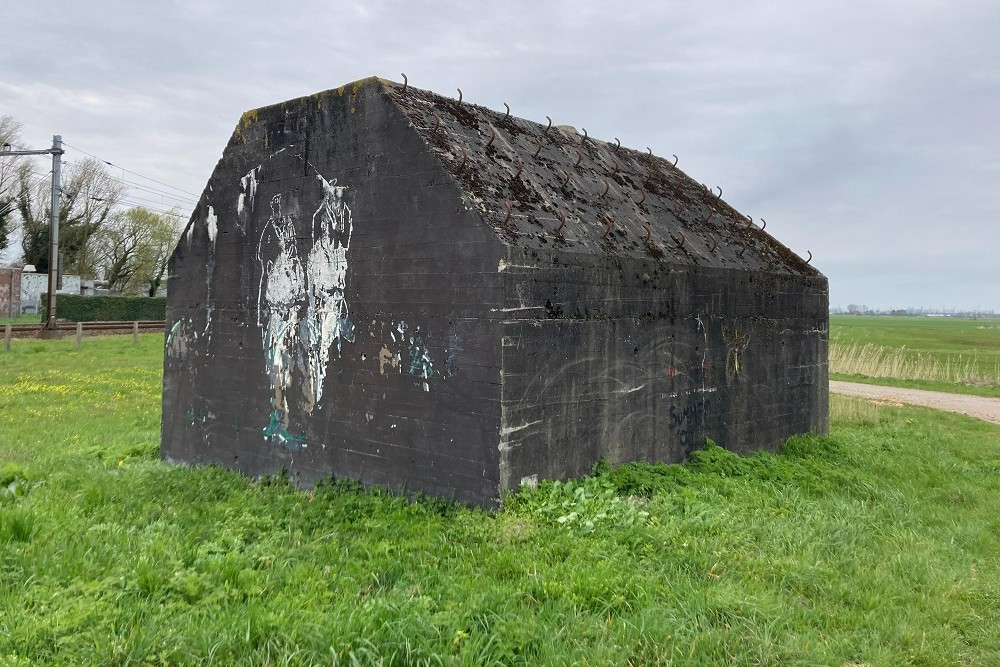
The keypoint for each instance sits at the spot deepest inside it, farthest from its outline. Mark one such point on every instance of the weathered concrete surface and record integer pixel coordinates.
(398, 288)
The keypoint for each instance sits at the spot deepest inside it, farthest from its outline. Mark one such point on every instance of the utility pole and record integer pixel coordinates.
(56, 152)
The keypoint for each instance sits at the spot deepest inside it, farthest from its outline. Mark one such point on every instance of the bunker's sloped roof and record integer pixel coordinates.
(541, 186)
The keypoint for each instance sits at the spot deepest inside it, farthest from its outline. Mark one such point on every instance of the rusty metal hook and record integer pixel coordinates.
(715, 244)
(649, 231)
(437, 123)
(618, 144)
(538, 147)
(584, 133)
(720, 191)
(741, 251)
(616, 167)
(810, 257)
(608, 223)
(680, 244)
(459, 95)
(406, 82)
(579, 156)
(520, 166)
(650, 151)
(506, 209)
(493, 135)
(643, 190)
(549, 126)
(562, 220)
(507, 114)
(465, 157)
(675, 159)
(750, 218)
(763, 224)
(606, 188)
(565, 179)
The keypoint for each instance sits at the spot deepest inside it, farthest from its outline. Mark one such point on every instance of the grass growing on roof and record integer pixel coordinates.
(876, 545)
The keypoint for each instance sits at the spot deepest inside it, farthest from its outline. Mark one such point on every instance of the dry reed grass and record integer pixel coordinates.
(877, 361)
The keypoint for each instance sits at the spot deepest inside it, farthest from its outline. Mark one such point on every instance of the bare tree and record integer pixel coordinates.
(10, 133)
(133, 248)
(90, 195)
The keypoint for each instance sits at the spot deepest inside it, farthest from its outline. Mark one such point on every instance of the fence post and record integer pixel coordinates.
(6, 337)
(135, 332)
(79, 334)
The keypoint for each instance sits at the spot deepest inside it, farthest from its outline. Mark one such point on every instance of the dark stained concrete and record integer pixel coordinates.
(394, 287)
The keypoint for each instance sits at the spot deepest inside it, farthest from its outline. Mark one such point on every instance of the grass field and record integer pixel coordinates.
(34, 318)
(940, 353)
(876, 545)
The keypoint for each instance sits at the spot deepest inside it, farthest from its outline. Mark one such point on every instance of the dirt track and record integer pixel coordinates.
(987, 409)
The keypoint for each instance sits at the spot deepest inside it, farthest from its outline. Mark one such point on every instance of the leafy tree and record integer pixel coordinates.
(132, 249)
(90, 196)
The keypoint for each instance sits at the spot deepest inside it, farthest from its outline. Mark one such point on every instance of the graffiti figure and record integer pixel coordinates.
(302, 311)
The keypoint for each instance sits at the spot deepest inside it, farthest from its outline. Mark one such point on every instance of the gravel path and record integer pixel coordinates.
(987, 409)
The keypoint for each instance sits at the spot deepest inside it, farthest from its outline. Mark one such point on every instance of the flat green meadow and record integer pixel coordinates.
(876, 545)
(953, 354)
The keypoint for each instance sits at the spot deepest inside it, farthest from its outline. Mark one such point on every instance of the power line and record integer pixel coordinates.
(142, 188)
(134, 173)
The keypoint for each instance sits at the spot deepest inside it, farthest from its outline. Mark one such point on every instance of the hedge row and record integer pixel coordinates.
(78, 308)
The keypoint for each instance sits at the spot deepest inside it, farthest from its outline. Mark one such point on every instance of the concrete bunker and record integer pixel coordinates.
(384, 284)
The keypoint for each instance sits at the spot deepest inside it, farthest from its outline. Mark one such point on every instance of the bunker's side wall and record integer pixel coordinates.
(632, 360)
(326, 308)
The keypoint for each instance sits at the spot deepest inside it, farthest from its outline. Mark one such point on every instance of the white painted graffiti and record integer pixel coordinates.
(302, 311)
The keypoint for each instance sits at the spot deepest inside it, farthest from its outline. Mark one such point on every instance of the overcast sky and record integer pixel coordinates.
(865, 132)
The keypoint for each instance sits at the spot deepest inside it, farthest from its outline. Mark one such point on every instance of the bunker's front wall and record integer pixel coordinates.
(633, 360)
(326, 308)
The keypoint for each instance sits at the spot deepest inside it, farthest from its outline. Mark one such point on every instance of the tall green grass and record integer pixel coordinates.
(945, 354)
(875, 545)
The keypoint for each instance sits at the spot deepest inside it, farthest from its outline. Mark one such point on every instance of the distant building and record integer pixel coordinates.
(34, 285)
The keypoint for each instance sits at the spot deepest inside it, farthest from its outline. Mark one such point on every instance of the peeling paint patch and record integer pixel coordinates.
(507, 430)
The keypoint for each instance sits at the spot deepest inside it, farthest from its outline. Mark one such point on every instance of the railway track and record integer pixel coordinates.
(88, 328)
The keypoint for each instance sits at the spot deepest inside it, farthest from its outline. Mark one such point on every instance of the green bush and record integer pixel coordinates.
(78, 308)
